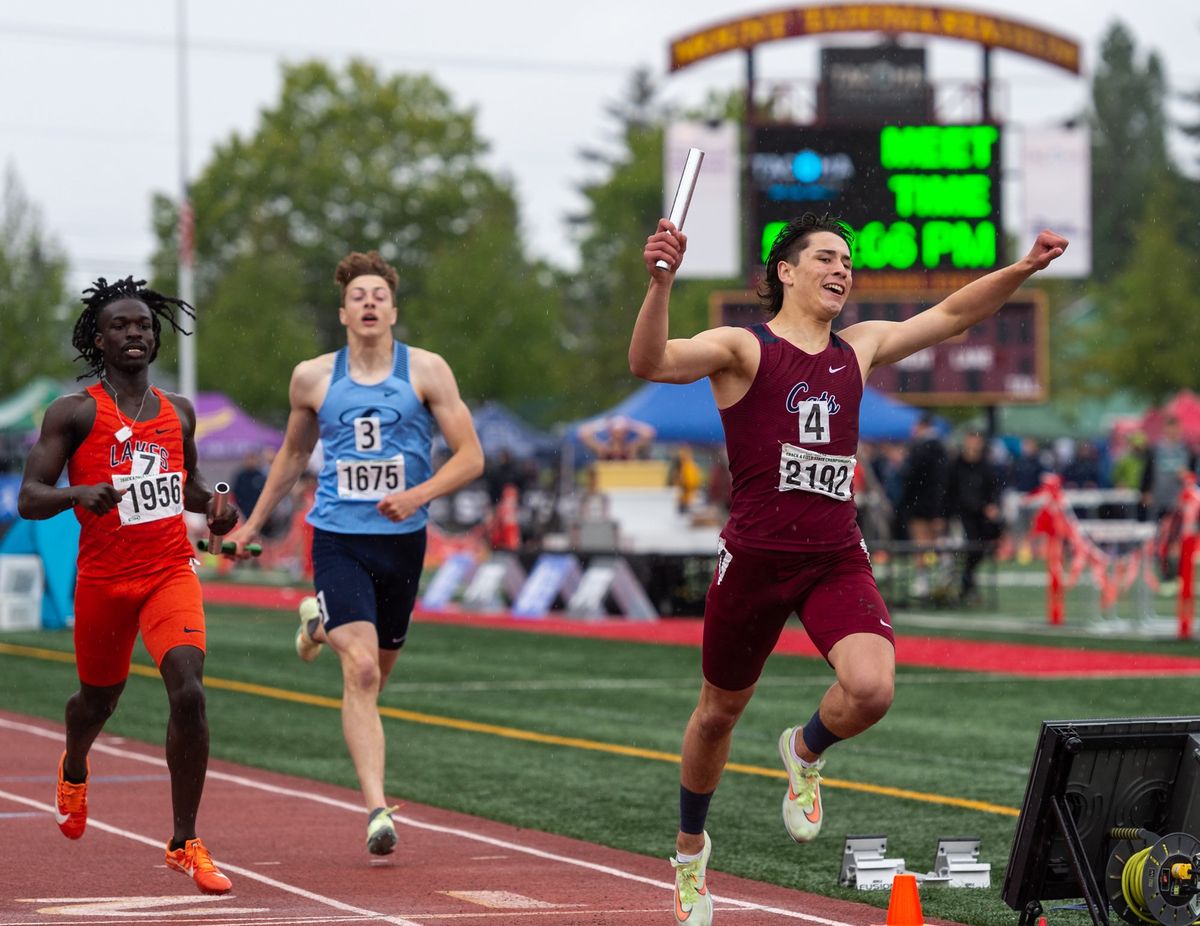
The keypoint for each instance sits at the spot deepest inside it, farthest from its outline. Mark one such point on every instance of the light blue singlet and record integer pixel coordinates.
(376, 441)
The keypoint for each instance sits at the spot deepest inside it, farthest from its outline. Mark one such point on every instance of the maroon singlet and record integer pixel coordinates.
(811, 402)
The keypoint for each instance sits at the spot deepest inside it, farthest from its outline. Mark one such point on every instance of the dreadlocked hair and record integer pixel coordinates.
(100, 294)
(791, 240)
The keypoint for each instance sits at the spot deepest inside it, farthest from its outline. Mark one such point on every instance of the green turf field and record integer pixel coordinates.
(578, 737)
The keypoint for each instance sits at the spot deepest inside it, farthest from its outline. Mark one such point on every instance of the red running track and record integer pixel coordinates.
(295, 852)
(1018, 659)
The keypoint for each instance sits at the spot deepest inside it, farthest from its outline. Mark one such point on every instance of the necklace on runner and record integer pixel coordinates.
(125, 432)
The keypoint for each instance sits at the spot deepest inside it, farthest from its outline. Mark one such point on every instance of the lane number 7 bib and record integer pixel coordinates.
(809, 471)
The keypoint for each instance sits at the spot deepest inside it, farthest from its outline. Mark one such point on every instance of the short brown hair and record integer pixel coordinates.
(357, 264)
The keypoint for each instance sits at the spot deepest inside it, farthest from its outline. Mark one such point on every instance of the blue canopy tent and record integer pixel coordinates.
(688, 414)
(500, 430)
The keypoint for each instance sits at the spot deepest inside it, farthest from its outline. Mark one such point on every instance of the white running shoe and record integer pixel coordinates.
(306, 647)
(693, 902)
(381, 831)
(802, 816)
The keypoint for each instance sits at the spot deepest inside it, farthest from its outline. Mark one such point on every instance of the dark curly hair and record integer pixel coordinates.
(100, 294)
(357, 264)
(788, 244)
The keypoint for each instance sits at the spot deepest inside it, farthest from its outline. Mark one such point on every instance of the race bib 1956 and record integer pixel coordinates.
(150, 497)
(808, 471)
(370, 480)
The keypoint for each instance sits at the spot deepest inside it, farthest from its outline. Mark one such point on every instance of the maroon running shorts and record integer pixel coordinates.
(754, 592)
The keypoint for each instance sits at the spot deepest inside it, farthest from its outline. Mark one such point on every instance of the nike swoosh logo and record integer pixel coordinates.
(682, 915)
(837, 369)
(61, 817)
(885, 623)
(161, 430)
(814, 815)
(192, 630)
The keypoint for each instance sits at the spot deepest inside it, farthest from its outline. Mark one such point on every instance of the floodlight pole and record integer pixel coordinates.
(187, 345)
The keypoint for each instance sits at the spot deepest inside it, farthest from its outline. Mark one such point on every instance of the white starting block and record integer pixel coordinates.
(864, 865)
(956, 864)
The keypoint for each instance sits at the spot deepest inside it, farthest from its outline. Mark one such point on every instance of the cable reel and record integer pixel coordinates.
(1153, 879)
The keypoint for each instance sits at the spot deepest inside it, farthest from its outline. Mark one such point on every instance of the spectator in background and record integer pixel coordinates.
(248, 481)
(1083, 469)
(1028, 466)
(503, 471)
(687, 477)
(1128, 470)
(616, 438)
(720, 484)
(1162, 480)
(888, 465)
(973, 497)
(923, 504)
(874, 509)
(1130, 466)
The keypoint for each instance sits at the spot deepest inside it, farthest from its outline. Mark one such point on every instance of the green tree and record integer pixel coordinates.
(247, 365)
(347, 160)
(1129, 145)
(1151, 312)
(622, 208)
(33, 269)
(480, 284)
(1191, 186)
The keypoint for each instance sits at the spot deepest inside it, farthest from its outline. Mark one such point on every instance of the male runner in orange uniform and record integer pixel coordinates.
(130, 454)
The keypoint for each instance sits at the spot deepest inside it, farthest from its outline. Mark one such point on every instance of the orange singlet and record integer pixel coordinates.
(135, 563)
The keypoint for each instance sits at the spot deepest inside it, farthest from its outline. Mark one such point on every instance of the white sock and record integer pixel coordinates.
(804, 763)
(683, 858)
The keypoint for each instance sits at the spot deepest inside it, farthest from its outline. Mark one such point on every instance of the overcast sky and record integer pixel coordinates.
(89, 116)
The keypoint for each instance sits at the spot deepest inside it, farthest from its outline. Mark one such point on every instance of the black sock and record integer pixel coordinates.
(817, 736)
(693, 810)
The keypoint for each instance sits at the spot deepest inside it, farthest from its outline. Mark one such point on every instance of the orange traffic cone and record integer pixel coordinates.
(904, 906)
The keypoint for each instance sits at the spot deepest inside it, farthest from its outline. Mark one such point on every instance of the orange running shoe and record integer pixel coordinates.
(70, 803)
(193, 859)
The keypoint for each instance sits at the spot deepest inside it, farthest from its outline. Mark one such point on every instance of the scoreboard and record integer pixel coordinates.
(924, 200)
(1002, 360)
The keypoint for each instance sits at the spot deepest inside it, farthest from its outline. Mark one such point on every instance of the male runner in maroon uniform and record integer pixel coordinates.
(789, 394)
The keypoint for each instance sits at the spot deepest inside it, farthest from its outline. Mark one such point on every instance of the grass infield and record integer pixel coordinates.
(580, 737)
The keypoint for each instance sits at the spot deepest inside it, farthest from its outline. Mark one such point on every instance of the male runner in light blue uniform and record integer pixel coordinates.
(373, 404)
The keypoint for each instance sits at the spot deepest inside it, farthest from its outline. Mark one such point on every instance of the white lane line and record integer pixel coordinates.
(505, 900)
(431, 827)
(236, 869)
(143, 919)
